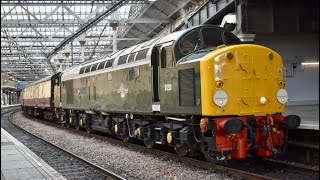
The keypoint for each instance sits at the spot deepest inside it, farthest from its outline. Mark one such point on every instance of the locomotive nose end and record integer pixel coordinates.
(291, 121)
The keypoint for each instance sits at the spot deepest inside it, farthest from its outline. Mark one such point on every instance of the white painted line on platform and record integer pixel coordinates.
(308, 126)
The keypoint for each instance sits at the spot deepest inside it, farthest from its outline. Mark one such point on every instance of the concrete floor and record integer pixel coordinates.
(309, 114)
(19, 162)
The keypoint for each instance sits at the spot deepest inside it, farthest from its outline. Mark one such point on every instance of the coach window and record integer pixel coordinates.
(42, 88)
(166, 57)
(57, 82)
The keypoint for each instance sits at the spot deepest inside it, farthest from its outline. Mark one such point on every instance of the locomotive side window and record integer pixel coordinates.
(122, 59)
(109, 63)
(88, 69)
(142, 54)
(131, 57)
(211, 37)
(166, 57)
(190, 42)
(101, 65)
(94, 67)
(82, 70)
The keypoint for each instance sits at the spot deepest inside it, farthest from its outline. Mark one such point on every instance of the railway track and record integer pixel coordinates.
(234, 170)
(67, 164)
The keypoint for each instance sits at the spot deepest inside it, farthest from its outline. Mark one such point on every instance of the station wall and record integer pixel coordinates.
(302, 80)
(291, 28)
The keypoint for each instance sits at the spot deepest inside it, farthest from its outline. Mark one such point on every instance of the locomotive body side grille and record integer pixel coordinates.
(69, 90)
(186, 87)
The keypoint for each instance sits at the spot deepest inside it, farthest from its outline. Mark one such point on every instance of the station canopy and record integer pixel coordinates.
(37, 37)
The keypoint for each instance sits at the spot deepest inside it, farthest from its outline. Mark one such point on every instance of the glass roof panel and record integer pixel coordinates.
(38, 28)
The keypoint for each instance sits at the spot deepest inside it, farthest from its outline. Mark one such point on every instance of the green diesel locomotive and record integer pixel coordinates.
(197, 90)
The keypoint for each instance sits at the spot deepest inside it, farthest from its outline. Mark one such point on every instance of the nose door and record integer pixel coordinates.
(246, 84)
(258, 79)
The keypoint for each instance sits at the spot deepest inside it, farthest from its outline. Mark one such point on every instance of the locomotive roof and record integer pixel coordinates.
(75, 71)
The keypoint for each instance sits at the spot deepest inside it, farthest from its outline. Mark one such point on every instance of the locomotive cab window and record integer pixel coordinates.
(166, 57)
(211, 37)
(190, 42)
(230, 38)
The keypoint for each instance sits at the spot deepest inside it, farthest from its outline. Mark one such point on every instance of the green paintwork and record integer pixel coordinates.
(169, 100)
(137, 92)
(138, 98)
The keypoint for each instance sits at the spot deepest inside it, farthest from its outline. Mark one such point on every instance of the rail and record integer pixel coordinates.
(195, 162)
(109, 174)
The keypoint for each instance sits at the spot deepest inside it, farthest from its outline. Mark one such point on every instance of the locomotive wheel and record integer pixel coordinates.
(63, 123)
(149, 143)
(68, 125)
(77, 123)
(77, 127)
(210, 156)
(88, 129)
(125, 134)
(181, 150)
(125, 137)
(88, 122)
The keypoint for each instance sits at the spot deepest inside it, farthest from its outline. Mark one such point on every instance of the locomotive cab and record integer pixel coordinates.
(203, 39)
(241, 91)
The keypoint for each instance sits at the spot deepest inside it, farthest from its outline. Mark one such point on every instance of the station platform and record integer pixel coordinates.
(19, 162)
(309, 115)
(12, 105)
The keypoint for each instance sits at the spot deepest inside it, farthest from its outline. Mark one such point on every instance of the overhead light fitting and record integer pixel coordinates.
(310, 63)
